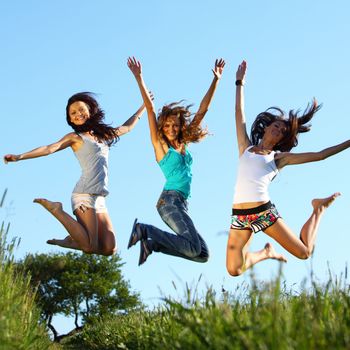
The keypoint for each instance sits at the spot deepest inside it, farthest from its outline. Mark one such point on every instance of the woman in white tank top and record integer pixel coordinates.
(92, 230)
(261, 156)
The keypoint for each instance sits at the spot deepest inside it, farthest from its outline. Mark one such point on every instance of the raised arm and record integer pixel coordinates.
(68, 140)
(132, 121)
(208, 97)
(241, 128)
(136, 69)
(283, 159)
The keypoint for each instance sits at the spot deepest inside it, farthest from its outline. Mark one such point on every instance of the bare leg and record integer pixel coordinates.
(309, 230)
(268, 252)
(303, 247)
(106, 238)
(82, 231)
(238, 259)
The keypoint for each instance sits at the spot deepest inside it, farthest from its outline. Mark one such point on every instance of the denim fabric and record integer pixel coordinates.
(187, 243)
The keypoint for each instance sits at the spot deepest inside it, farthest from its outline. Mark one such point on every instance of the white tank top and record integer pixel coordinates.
(93, 159)
(255, 173)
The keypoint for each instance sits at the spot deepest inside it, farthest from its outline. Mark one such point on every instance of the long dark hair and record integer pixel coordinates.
(189, 132)
(295, 125)
(103, 132)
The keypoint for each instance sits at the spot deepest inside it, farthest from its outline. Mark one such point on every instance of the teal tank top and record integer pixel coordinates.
(177, 169)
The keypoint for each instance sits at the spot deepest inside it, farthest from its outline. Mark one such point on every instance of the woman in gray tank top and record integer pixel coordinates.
(92, 230)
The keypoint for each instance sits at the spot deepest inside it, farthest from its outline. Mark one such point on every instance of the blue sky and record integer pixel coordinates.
(296, 50)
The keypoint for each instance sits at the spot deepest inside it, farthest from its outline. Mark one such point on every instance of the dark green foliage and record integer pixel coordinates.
(85, 286)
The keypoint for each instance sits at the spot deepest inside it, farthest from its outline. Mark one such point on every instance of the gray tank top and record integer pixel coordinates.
(93, 159)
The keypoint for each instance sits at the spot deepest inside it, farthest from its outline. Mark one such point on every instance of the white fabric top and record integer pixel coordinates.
(255, 173)
(93, 159)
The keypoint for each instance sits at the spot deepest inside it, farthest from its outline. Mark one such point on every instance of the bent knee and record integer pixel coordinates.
(88, 250)
(195, 253)
(203, 258)
(235, 271)
(305, 254)
(108, 251)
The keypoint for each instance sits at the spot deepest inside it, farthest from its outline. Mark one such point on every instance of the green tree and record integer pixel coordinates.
(80, 285)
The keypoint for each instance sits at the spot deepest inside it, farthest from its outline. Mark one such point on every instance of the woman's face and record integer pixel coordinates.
(171, 128)
(276, 131)
(79, 112)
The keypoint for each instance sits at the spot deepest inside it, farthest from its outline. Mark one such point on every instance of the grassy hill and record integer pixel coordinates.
(265, 316)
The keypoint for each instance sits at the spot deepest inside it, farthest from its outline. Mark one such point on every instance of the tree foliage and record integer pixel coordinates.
(80, 285)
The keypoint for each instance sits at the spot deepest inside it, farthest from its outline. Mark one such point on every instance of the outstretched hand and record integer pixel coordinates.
(134, 66)
(219, 68)
(241, 70)
(10, 158)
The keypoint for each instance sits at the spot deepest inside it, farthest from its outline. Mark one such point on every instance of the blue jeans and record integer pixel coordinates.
(187, 243)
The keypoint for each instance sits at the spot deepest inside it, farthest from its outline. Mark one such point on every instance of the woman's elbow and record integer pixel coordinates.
(49, 150)
(321, 156)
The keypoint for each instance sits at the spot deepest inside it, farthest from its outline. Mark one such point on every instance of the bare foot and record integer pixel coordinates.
(272, 254)
(323, 203)
(67, 242)
(48, 205)
(54, 241)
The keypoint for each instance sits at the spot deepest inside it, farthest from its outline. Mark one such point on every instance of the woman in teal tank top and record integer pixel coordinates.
(171, 132)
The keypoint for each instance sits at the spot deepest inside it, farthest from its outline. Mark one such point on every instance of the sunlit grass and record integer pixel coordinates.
(19, 319)
(259, 316)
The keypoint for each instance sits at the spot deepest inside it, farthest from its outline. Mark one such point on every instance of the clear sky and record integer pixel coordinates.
(296, 50)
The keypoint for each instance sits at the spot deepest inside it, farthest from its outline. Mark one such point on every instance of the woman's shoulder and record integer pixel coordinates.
(164, 145)
(75, 140)
(280, 155)
(246, 149)
(72, 136)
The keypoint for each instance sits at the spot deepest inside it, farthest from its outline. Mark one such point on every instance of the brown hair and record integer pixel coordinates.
(102, 131)
(189, 131)
(294, 124)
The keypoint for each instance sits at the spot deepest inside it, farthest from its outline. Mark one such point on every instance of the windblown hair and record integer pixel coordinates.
(295, 125)
(102, 131)
(189, 131)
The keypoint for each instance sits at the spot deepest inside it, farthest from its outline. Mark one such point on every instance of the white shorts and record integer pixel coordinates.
(83, 201)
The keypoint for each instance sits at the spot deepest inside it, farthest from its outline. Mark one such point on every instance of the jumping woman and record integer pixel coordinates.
(171, 133)
(273, 135)
(92, 230)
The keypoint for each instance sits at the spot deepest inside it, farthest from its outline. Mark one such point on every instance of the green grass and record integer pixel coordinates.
(263, 316)
(19, 318)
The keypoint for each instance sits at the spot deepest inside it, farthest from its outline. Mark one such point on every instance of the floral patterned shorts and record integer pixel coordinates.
(255, 219)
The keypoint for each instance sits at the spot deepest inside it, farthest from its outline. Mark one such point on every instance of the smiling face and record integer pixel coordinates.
(79, 112)
(276, 131)
(171, 128)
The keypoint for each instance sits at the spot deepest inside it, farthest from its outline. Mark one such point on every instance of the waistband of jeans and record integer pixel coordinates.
(173, 193)
(255, 210)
